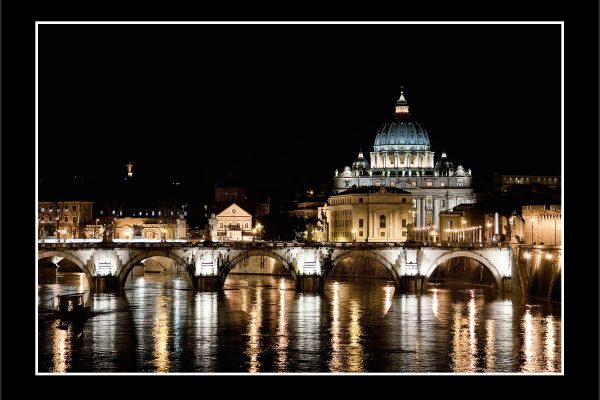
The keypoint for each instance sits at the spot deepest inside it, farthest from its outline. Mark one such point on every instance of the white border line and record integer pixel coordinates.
(562, 317)
(36, 199)
(562, 197)
(225, 22)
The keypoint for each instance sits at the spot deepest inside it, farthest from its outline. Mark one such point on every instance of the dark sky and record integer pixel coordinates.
(283, 106)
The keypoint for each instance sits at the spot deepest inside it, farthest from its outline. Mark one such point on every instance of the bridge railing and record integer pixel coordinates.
(275, 244)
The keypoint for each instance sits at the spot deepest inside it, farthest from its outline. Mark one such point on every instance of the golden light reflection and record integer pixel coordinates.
(490, 346)
(531, 343)
(160, 333)
(282, 342)
(244, 292)
(464, 349)
(254, 331)
(434, 303)
(472, 339)
(59, 348)
(387, 303)
(355, 350)
(550, 344)
(206, 331)
(335, 363)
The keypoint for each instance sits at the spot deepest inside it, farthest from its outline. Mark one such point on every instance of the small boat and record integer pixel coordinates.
(70, 307)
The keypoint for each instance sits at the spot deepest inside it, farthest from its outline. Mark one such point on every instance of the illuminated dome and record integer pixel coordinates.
(361, 162)
(402, 134)
(444, 166)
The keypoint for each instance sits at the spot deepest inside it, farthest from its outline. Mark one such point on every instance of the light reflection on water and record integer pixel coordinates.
(259, 324)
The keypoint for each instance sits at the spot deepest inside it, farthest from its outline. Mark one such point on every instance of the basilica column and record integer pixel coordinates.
(436, 213)
(418, 210)
(423, 218)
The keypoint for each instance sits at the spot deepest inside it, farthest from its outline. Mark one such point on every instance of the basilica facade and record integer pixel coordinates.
(402, 158)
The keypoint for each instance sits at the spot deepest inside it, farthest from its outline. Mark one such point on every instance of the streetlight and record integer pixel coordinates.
(259, 229)
(555, 230)
(97, 219)
(532, 221)
(489, 225)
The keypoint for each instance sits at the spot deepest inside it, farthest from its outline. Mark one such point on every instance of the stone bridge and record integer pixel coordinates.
(108, 264)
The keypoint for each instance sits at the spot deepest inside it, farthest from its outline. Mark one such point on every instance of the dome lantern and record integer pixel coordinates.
(403, 133)
(401, 104)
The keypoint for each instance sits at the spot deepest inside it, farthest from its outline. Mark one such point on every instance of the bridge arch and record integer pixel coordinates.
(68, 256)
(365, 253)
(142, 255)
(468, 254)
(251, 253)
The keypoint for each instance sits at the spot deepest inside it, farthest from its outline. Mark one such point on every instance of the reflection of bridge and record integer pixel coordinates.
(107, 264)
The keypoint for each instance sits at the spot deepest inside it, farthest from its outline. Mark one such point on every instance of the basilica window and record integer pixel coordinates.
(382, 221)
(459, 182)
(403, 223)
(360, 199)
(443, 202)
(360, 233)
(361, 223)
(442, 184)
(404, 199)
(66, 219)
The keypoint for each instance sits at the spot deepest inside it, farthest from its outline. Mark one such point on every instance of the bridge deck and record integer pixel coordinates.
(248, 245)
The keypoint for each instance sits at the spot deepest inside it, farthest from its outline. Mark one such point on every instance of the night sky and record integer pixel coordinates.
(282, 106)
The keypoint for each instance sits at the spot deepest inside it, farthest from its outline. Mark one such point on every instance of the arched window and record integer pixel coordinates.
(382, 221)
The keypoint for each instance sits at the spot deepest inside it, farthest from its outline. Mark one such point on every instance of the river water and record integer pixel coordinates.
(258, 323)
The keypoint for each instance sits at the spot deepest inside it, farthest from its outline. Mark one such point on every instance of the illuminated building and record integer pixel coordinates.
(402, 158)
(234, 223)
(367, 214)
(64, 219)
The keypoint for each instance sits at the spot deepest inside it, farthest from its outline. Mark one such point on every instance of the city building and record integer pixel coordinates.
(306, 209)
(543, 224)
(261, 209)
(64, 219)
(507, 183)
(234, 223)
(367, 214)
(149, 228)
(227, 193)
(402, 158)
